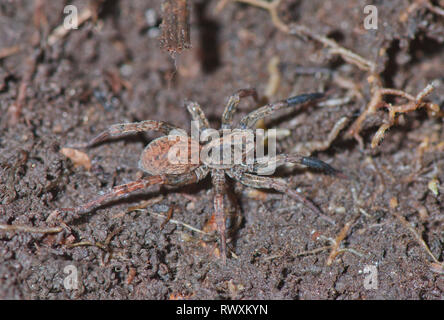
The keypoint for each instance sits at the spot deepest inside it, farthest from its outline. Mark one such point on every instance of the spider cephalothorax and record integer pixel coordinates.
(190, 167)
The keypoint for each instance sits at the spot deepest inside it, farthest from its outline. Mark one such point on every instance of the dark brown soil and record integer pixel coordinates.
(72, 95)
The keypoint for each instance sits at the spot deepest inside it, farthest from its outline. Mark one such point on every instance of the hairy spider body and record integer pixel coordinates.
(189, 167)
(154, 158)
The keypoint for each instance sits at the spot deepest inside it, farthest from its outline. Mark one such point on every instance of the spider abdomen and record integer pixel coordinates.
(170, 155)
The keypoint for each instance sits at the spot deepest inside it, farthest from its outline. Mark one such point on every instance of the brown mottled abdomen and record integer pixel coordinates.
(170, 155)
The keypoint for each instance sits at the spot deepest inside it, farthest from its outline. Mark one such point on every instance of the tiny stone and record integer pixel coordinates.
(190, 206)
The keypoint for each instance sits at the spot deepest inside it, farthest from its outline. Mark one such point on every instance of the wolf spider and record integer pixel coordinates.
(154, 160)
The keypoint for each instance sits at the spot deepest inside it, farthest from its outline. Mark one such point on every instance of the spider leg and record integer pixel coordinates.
(123, 190)
(250, 119)
(197, 114)
(115, 193)
(218, 179)
(259, 182)
(264, 166)
(233, 102)
(122, 129)
(312, 146)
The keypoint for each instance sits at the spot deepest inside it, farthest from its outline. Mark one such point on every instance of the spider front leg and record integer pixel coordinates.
(259, 182)
(197, 114)
(218, 179)
(250, 119)
(233, 102)
(266, 165)
(123, 129)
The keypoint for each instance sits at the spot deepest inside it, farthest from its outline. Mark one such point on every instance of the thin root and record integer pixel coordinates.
(161, 216)
(301, 30)
(336, 243)
(417, 236)
(61, 31)
(23, 228)
(378, 102)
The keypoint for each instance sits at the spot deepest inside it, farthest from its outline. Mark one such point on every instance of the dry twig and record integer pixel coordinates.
(303, 31)
(60, 32)
(378, 102)
(161, 216)
(418, 237)
(23, 228)
(15, 109)
(337, 241)
(175, 26)
(9, 51)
